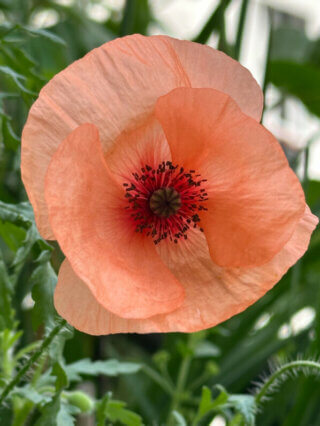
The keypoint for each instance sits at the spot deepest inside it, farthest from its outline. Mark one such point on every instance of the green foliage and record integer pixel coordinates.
(300, 80)
(111, 367)
(116, 411)
(51, 375)
(43, 280)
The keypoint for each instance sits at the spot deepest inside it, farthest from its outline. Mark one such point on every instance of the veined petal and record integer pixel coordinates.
(134, 149)
(115, 87)
(87, 215)
(255, 199)
(212, 294)
(207, 67)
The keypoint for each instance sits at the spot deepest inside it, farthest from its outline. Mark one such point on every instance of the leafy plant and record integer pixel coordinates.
(51, 374)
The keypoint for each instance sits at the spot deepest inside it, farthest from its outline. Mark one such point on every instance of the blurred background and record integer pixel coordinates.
(279, 42)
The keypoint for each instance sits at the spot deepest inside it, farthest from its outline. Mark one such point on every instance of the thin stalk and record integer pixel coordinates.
(20, 416)
(223, 44)
(296, 269)
(200, 380)
(127, 20)
(283, 369)
(157, 378)
(45, 343)
(240, 30)
(180, 386)
(267, 67)
(212, 23)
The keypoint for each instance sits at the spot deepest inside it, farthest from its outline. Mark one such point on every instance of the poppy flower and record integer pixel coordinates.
(174, 207)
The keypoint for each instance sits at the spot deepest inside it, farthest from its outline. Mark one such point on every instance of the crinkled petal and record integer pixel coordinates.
(87, 215)
(255, 199)
(212, 293)
(115, 87)
(133, 150)
(207, 67)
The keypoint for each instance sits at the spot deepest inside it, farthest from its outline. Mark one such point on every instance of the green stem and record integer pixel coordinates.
(283, 369)
(21, 415)
(213, 22)
(157, 378)
(127, 23)
(181, 383)
(240, 31)
(223, 44)
(267, 67)
(200, 380)
(46, 342)
(296, 269)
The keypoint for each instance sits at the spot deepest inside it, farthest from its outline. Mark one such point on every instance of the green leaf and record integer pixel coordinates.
(205, 402)
(24, 250)
(12, 235)
(179, 419)
(61, 376)
(44, 312)
(299, 80)
(49, 413)
(56, 413)
(27, 349)
(206, 349)
(10, 139)
(246, 405)
(237, 420)
(94, 368)
(56, 350)
(20, 213)
(40, 32)
(29, 393)
(313, 194)
(44, 281)
(66, 415)
(6, 291)
(222, 398)
(16, 78)
(116, 411)
(208, 404)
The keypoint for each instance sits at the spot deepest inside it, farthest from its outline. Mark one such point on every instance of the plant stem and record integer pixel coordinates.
(21, 415)
(267, 67)
(181, 382)
(284, 368)
(213, 22)
(240, 31)
(45, 343)
(200, 380)
(157, 378)
(127, 23)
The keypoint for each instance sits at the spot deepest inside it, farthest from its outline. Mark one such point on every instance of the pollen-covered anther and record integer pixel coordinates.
(164, 201)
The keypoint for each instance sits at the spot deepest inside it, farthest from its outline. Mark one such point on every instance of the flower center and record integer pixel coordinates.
(164, 202)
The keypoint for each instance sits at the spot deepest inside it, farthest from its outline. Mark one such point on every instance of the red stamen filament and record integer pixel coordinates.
(165, 202)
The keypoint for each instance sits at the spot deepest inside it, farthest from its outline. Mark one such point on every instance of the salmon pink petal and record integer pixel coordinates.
(134, 149)
(115, 87)
(255, 199)
(207, 67)
(212, 294)
(88, 218)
